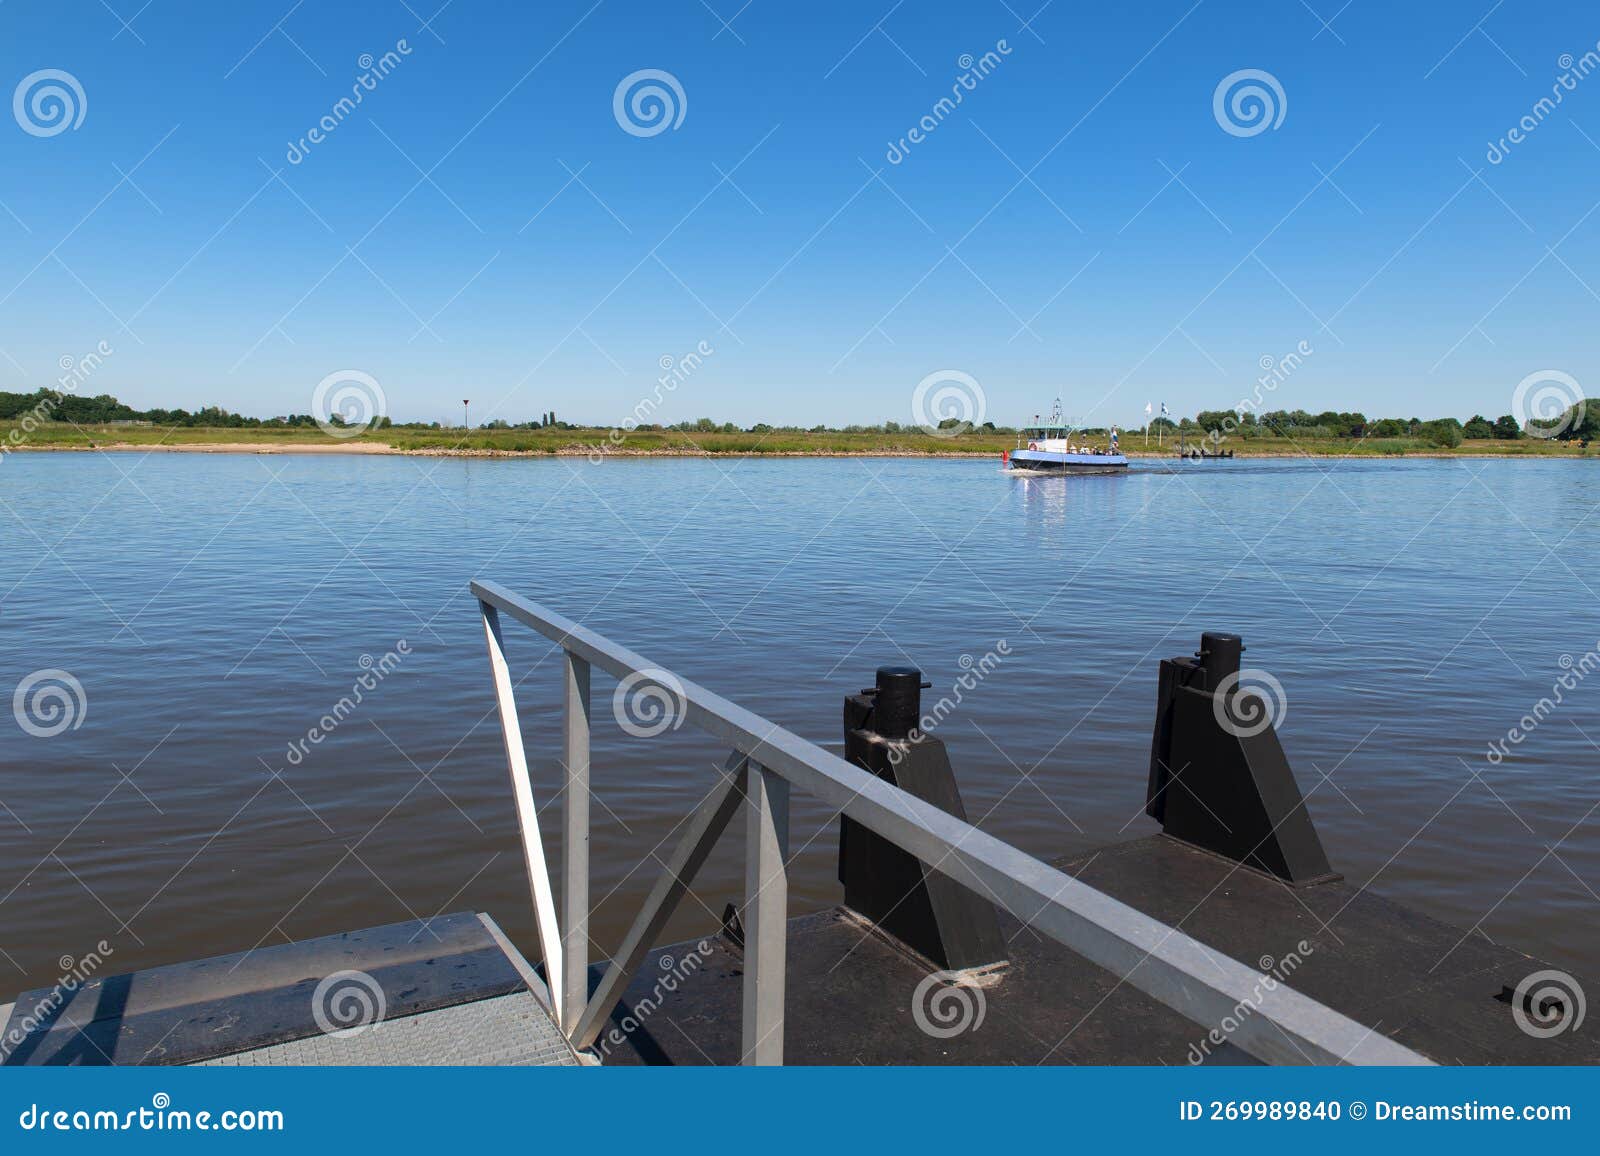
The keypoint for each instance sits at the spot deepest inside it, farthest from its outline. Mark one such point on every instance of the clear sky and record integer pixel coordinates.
(481, 225)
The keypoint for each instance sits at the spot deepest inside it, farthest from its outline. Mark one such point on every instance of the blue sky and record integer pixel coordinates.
(1080, 225)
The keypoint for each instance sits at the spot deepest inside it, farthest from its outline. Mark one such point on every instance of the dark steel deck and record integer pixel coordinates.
(1421, 982)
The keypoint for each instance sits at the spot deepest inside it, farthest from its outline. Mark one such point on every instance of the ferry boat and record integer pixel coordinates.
(1052, 448)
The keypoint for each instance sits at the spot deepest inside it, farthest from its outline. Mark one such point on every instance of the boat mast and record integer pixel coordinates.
(1058, 418)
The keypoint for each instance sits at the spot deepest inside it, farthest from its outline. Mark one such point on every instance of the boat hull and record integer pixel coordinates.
(1046, 462)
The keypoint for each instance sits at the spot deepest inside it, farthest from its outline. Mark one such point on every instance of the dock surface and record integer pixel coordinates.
(851, 992)
(507, 1030)
(449, 990)
(453, 990)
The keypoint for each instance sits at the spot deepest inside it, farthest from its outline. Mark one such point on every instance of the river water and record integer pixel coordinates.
(213, 608)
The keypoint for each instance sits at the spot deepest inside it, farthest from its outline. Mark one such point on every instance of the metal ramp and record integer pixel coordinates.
(508, 1030)
(1162, 961)
(449, 990)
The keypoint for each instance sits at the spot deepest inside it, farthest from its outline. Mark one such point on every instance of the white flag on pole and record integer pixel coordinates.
(1147, 410)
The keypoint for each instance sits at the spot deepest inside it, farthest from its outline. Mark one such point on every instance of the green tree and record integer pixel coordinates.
(1444, 433)
(1477, 428)
(1580, 422)
(1506, 428)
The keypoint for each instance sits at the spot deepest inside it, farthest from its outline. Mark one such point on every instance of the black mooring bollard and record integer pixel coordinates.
(1218, 776)
(1220, 655)
(928, 912)
(896, 700)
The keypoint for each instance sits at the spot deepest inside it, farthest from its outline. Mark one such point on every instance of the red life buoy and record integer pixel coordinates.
(1033, 445)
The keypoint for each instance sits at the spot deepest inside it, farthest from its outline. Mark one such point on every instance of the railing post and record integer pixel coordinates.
(766, 913)
(575, 845)
(544, 903)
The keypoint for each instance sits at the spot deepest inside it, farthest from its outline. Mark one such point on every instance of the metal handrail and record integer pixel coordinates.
(1283, 1026)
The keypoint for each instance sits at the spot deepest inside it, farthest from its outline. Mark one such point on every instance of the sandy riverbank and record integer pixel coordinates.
(361, 447)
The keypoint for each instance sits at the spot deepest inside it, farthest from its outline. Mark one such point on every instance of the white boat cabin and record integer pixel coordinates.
(1052, 439)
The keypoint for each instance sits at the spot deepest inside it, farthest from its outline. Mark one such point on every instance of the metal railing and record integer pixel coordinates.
(1279, 1025)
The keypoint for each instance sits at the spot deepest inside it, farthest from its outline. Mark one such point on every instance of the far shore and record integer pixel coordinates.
(570, 441)
(367, 448)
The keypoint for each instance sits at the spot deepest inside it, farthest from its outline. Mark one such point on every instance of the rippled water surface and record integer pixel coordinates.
(215, 607)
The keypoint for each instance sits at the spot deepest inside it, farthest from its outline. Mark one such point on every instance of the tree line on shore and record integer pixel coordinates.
(1578, 423)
